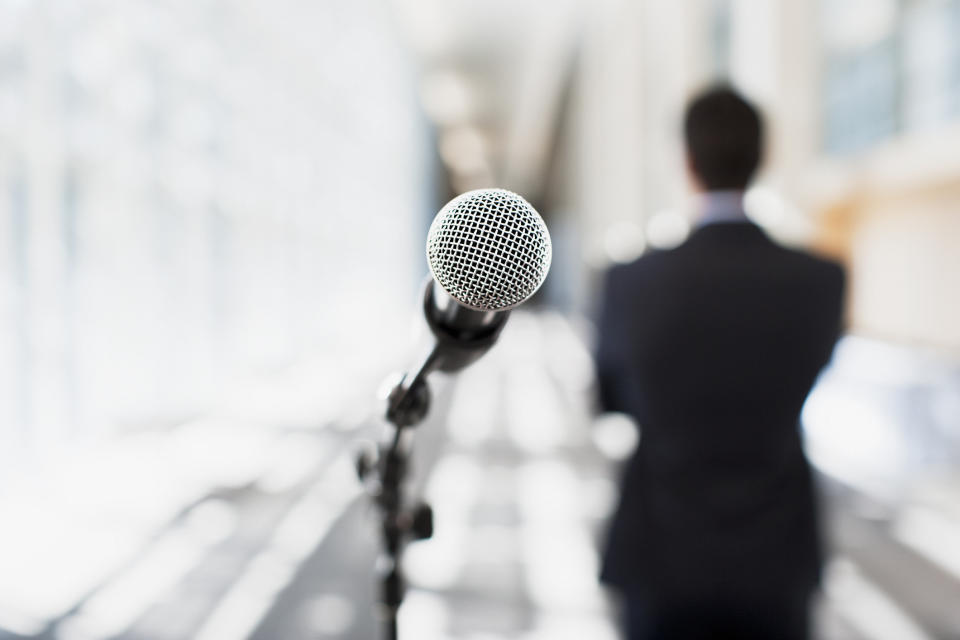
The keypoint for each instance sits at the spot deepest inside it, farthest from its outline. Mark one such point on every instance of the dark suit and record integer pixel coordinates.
(712, 347)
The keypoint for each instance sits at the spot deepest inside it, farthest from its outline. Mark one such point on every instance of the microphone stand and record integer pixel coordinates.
(407, 406)
(462, 335)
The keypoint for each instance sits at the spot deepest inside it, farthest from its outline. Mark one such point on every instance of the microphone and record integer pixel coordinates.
(488, 251)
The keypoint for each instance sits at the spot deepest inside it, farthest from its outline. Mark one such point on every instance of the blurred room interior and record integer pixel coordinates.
(212, 221)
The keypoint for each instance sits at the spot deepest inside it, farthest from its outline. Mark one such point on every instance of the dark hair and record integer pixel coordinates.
(724, 135)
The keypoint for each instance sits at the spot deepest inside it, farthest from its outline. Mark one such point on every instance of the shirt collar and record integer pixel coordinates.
(721, 206)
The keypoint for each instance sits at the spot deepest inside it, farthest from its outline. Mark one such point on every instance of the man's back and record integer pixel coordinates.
(713, 347)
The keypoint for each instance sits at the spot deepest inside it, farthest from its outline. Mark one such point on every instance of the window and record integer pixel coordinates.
(888, 67)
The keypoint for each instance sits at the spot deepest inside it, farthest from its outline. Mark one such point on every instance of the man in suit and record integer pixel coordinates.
(712, 347)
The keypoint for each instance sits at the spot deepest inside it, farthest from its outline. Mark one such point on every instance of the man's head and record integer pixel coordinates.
(724, 136)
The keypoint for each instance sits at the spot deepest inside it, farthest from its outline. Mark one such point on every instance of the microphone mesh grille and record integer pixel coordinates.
(489, 249)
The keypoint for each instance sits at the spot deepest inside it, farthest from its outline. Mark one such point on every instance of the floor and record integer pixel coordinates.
(251, 524)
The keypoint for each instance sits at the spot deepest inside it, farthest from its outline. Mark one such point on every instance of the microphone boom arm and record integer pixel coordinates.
(461, 336)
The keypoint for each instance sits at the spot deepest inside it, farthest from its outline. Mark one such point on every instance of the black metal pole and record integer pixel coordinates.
(461, 336)
(407, 406)
(393, 471)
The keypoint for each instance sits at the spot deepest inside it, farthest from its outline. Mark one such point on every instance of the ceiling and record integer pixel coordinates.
(492, 76)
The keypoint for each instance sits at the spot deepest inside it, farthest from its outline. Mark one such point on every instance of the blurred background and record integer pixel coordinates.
(212, 220)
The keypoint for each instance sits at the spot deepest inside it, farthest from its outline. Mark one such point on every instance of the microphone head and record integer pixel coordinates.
(489, 249)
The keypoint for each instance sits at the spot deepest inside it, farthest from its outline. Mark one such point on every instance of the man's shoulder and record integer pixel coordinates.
(625, 275)
(650, 260)
(824, 267)
(651, 272)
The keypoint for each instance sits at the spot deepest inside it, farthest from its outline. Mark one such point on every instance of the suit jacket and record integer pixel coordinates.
(712, 347)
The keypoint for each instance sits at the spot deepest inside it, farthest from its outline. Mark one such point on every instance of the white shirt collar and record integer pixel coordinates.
(721, 206)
